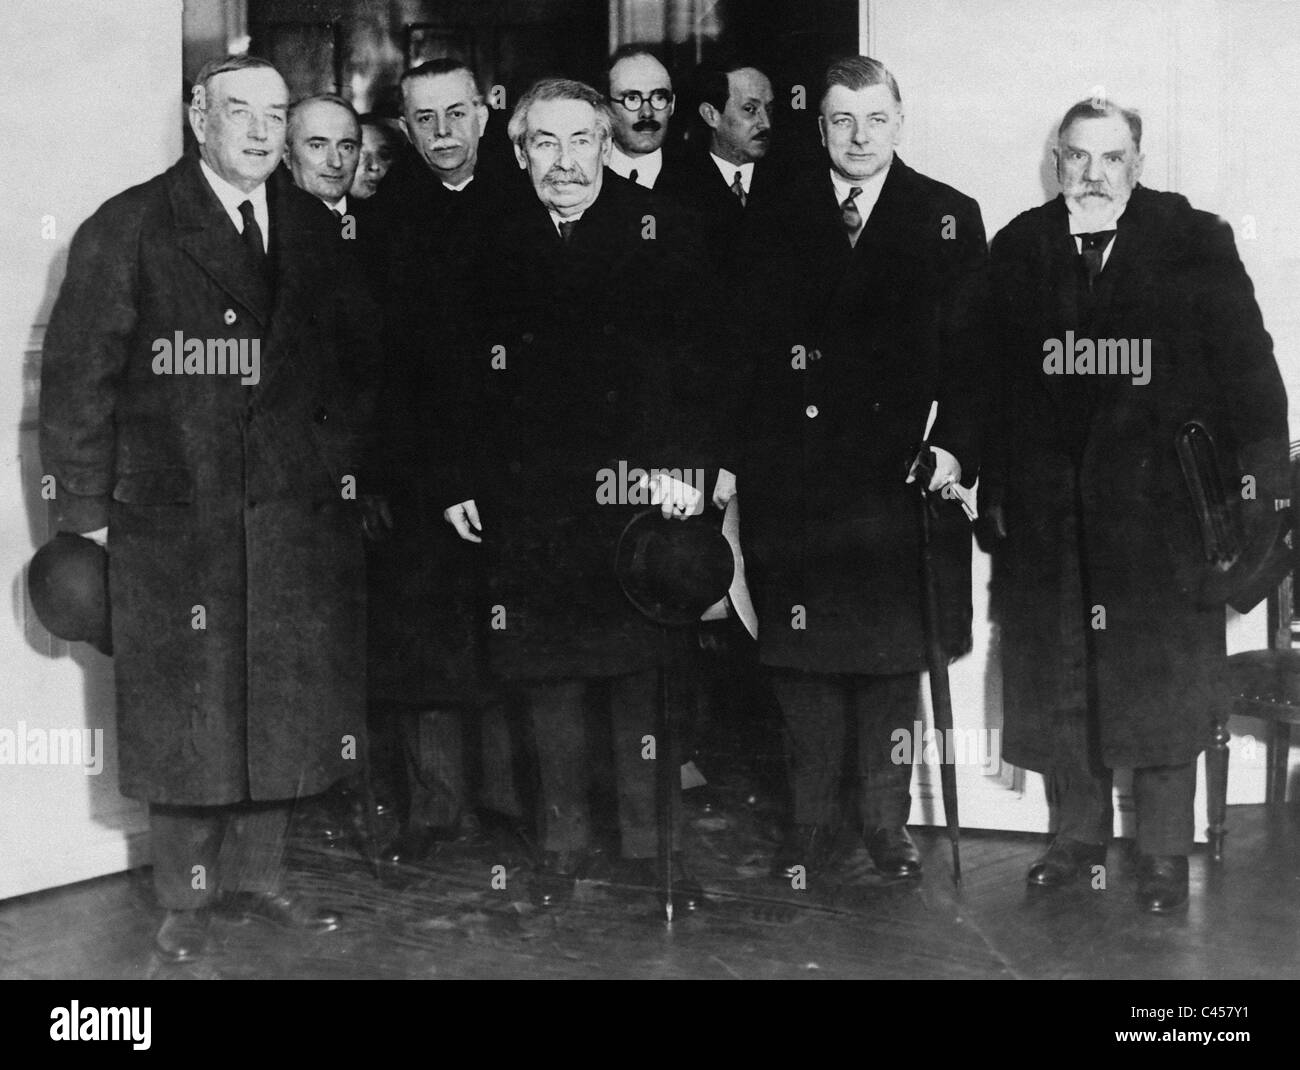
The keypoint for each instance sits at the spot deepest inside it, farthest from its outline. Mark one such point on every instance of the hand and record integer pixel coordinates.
(376, 517)
(724, 489)
(947, 471)
(464, 518)
(676, 500)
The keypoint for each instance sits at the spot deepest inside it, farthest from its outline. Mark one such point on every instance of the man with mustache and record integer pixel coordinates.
(236, 572)
(722, 178)
(590, 363)
(641, 102)
(1110, 658)
(426, 247)
(864, 284)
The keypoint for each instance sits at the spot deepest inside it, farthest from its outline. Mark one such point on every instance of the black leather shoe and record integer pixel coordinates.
(1162, 883)
(808, 846)
(1066, 861)
(287, 911)
(413, 846)
(644, 873)
(553, 880)
(893, 852)
(183, 935)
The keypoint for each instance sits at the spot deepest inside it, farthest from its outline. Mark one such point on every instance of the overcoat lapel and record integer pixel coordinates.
(210, 239)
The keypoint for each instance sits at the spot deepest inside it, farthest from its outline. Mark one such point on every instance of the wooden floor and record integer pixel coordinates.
(444, 919)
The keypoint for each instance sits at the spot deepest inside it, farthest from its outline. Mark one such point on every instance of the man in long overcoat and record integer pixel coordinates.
(588, 376)
(1110, 658)
(203, 395)
(863, 304)
(425, 242)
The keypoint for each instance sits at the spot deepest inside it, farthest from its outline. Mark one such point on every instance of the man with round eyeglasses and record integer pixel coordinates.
(642, 103)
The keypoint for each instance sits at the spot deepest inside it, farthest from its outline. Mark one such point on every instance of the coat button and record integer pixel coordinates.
(612, 396)
(608, 329)
(515, 468)
(875, 406)
(527, 338)
(816, 354)
(229, 316)
(811, 410)
(321, 415)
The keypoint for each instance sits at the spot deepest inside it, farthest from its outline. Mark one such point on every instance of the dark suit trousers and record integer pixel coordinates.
(557, 709)
(1079, 785)
(819, 712)
(442, 749)
(237, 848)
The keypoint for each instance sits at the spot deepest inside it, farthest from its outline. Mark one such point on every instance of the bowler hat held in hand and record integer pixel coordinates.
(68, 584)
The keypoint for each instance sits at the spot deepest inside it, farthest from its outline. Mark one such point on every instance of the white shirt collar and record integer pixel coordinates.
(460, 185)
(647, 167)
(341, 207)
(728, 171)
(1078, 227)
(231, 197)
(871, 187)
(557, 219)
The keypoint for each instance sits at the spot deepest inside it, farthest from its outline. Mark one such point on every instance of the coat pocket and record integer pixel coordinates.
(156, 486)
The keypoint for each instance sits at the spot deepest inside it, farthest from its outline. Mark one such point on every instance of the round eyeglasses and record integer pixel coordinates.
(659, 99)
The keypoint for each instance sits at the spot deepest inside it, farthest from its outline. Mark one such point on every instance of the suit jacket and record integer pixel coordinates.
(694, 181)
(844, 350)
(596, 373)
(1086, 465)
(235, 566)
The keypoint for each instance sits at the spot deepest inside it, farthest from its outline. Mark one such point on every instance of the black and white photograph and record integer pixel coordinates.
(652, 490)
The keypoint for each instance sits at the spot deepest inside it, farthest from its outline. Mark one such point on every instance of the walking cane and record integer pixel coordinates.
(937, 662)
(665, 768)
(671, 571)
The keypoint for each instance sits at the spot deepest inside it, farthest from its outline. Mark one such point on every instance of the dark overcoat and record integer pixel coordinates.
(1086, 471)
(235, 563)
(849, 346)
(425, 249)
(590, 370)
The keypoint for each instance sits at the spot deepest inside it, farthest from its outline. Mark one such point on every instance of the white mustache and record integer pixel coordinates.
(554, 177)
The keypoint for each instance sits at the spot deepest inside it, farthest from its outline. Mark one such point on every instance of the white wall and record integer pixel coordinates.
(92, 105)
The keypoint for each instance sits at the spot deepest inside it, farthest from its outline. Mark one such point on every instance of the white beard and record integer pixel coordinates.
(1093, 214)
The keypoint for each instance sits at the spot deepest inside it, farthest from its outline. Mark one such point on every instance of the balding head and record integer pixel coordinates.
(324, 146)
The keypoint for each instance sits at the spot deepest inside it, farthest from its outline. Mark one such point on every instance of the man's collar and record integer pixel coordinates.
(728, 170)
(647, 167)
(459, 186)
(231, 197)
(341, 206)
(870, 186)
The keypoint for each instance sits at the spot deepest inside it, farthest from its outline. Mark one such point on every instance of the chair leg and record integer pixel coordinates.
(1216, 785)
(1279, 750)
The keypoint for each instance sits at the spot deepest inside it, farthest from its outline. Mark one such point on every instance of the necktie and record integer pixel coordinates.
(631, 175)
(852, 217)
(738, 188)
(566, 229)
(1094, 248)
(252, 234)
